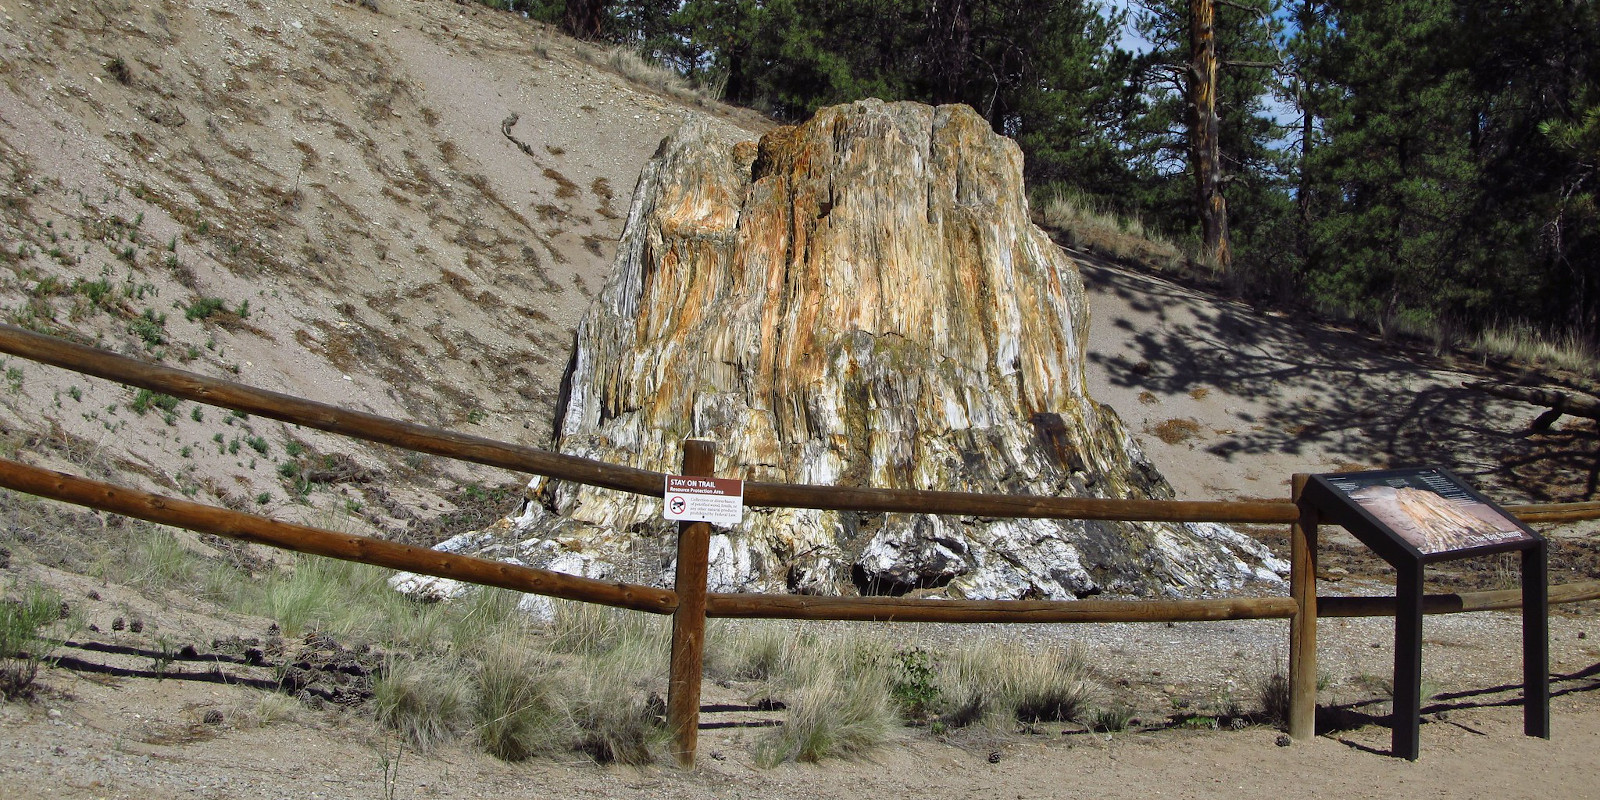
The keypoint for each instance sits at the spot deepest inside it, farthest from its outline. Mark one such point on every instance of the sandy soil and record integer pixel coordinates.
(132, 736)
(357, 176)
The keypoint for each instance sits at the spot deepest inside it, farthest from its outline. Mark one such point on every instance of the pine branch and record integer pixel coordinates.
(1242, 7)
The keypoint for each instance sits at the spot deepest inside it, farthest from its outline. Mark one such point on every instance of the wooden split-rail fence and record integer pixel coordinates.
(689, 602)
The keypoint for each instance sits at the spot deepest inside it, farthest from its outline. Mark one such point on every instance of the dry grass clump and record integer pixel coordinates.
(837, 692)
(157, 560)
(617, 713)
(319, 594)
(746, 651)
(483, 615)
(1524, 345)
(830, 715)
(644, 72)
(518, 709)
(1520, 343)
(847, 693)
(1175, 431)
(427, 699)
(591, 682)
(998, 685)
(267, 709)
(1087, 225)
(1275, 698)
(647, 73)
(590, 630)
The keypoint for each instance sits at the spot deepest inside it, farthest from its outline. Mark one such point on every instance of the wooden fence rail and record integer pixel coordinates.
(379, 552)
(691, 604)
(315, 541)
(481, 450)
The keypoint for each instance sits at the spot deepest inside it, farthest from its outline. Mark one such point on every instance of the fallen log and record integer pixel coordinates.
(1559, 401)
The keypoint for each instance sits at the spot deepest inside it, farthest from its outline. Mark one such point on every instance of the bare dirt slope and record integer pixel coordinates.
(402, 211)
(1230, 401)
(416, 203)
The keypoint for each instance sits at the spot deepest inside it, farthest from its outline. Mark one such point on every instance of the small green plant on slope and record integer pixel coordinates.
(23, 643)
(166, 653)
(389, 763)
(117, 68)
(96, 293)
(144, 400)
(204, 307)
(150, 327)
(913, 687)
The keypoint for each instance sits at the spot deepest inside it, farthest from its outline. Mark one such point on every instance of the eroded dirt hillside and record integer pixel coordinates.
(401, 210)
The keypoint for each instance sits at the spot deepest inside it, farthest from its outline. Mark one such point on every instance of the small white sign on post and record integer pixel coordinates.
(719, 501)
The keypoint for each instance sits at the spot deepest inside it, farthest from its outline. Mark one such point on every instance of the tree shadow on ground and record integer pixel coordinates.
(1309, 384)
(1336, 719)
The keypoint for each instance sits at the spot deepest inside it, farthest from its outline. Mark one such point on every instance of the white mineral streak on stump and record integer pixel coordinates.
(860, 300)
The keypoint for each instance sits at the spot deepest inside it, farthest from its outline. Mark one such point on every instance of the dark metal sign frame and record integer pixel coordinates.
(1393, 512)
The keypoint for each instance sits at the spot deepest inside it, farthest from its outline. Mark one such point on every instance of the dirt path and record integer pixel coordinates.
(143, 739)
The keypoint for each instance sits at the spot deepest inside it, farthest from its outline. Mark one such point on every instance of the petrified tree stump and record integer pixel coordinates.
(859, 300)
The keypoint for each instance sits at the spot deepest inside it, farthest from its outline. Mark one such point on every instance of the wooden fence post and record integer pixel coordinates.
(689, 621)
(1303, 625)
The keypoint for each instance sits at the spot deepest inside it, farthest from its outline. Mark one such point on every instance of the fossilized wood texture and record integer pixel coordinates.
(860, 300)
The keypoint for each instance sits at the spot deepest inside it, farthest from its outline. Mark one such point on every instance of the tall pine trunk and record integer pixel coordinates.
(948, 49)
(1205, 155)
(585, 19)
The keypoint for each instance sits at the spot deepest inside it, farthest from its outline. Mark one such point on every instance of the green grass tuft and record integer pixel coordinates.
(831, 715)
(23, 644)
(204, 307)
(428, 700)
(519, 711)
(1111, 719)
(1001, 684)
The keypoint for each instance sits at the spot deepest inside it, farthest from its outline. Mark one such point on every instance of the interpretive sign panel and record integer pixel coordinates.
(1430, 510)
(1414, 517)
(719, 501)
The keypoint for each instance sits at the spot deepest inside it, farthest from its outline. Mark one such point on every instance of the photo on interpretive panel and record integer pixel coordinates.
(1430, 510)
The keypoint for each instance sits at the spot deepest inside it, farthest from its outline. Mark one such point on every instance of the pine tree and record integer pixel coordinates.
(1449, 194)
(1209, 76)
